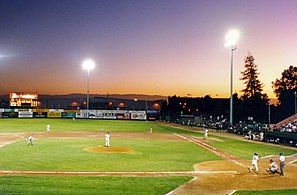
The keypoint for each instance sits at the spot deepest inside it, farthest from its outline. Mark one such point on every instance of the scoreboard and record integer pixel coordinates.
(23, 99)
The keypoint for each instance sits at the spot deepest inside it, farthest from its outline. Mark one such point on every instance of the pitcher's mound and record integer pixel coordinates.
(102, 149)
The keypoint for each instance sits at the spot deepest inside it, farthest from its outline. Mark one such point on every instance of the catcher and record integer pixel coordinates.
(273, 168)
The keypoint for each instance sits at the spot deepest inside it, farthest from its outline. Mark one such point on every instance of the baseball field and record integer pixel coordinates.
(72, 159)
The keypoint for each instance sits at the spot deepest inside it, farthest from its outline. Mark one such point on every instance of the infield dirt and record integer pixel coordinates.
(110, 150)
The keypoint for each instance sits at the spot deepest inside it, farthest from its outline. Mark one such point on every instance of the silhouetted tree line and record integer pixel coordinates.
(252, 103)
(176, 106)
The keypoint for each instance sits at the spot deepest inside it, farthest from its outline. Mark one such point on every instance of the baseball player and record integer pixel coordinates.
(150, 131)
(273, 168)
(48, 128)
(107, 140)
(254, 163)
(205, 133)
(282, 163)
(30, 140)
(261, 136)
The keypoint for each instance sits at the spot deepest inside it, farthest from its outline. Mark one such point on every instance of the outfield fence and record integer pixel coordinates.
(61, 113)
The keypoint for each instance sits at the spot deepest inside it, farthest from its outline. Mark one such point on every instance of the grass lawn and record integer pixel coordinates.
(245, 150)
(232, 146)
(68, 155)
(89, 185)
(11, 125)
(240, 148)
(268, 192)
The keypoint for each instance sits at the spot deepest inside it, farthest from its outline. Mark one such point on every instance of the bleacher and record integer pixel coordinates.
(282, 123)
(284, 132)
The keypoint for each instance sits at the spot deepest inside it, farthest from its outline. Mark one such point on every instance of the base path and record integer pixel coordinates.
(240, 179)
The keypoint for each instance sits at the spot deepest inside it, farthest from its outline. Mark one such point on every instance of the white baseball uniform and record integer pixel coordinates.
(255, 163)
(30, 140)
(48, 128)
(205, 133)
(107, 140)
(150, 130)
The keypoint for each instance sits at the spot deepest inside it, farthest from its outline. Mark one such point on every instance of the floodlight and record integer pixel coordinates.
(231, 38)
(88, 64)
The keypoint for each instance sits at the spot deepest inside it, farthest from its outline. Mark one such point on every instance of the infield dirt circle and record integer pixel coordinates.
(102, 149)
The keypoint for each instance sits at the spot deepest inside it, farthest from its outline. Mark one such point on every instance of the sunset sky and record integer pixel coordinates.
(144, 47)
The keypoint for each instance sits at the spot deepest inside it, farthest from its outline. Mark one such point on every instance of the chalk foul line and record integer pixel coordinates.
(113, 173)
(6, 143)
(209, 148)
(172, 192)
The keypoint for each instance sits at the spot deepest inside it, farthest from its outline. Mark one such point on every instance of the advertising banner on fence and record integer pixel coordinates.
(109, 114)
(39, 114)
(56, 110)
(138, 115)
(9, 114)
(75, 111)
(82, 114)
(1, 112)
(25, 114)
(40, 110)
(152, 115)
(22, 110)
(123, 115)
(112, 114)
(54, 114)
(68, 114)
(95, 114)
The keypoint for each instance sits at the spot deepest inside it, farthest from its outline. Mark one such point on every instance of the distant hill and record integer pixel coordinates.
(81, 96)
(117, 96)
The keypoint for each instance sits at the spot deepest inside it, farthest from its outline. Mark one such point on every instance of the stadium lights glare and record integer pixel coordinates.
(231, 38)
(88, 64)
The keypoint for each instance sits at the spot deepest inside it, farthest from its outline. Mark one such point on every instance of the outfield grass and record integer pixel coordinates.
(238, 148)
(268, 192)
(11, 125)
(89, 185)
(68, 155)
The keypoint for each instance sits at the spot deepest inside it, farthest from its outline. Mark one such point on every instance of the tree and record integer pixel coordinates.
(250, 77)
(284, 89)
(254, 101)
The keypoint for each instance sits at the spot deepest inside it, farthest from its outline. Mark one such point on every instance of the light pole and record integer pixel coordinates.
(88, 65)
(146, 109)
(268, 116)
(231, 41)
(295, 93)
(134, 104)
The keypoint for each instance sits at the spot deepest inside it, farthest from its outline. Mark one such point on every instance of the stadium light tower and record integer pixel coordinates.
(231, 40)
(88, 65)
(295, 95)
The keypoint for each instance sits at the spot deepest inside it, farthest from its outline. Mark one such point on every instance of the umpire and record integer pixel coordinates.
(282, 163)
